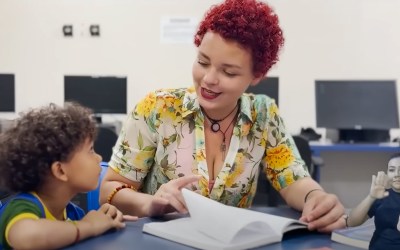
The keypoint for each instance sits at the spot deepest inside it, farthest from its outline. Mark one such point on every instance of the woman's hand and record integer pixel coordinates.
(378, 186)
(323, 212)
(168, 197)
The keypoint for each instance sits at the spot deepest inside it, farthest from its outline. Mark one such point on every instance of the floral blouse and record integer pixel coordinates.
(163, 139)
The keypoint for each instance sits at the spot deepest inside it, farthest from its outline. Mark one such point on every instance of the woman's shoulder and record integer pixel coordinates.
(258, 100)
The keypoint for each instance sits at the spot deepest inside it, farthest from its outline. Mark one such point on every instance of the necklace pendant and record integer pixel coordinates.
(215, 127)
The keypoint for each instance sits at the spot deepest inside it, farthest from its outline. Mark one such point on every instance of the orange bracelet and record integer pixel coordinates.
(111, 196)
(78, 233)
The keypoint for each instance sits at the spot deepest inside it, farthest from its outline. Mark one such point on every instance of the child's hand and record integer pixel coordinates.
(105, 218)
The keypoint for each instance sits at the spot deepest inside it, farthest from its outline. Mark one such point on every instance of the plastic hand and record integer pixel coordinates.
(398, 224)
(168, 197)
(105, 218)
(323, 212)
(378, 184)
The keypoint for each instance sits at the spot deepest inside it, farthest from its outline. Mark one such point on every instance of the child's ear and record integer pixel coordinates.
(57, 169)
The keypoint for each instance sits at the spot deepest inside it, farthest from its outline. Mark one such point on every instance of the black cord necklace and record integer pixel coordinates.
(215, 127)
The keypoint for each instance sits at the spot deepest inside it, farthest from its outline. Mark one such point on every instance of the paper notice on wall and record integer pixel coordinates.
(175, 30)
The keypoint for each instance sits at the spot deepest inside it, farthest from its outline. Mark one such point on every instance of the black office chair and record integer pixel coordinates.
(105, 141)
(266, 195)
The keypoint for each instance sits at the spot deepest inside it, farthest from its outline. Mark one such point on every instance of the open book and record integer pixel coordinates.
(359, 236)
(213, 225)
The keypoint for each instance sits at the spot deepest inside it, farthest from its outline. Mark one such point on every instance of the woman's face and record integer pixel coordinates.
(221, 72)
(393, 172)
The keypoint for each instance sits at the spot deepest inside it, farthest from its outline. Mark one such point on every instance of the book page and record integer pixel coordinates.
(231, 224)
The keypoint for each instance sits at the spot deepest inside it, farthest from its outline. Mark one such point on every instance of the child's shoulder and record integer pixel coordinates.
(21, 203)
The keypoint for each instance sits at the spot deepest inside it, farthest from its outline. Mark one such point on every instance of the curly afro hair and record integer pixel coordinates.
(39, 138)
(252, 24)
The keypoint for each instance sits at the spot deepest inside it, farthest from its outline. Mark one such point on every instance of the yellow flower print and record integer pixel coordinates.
(143, 160)
(253, 114)
(203, 185)
(243, 203)
(273, 110)
(279, 157)
(231, 178)
(146, 106)
(288, 174)
(170, 107)
(245, 129)
(200, 155)
(263, 139)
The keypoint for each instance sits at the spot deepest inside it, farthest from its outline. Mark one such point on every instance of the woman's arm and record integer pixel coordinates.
(359, 214)
(168, 197)
(322, 211)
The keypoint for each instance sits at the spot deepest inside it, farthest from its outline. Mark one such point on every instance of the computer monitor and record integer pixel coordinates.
(361, 110)
(103, 94)
(268, 86)
(7, 93)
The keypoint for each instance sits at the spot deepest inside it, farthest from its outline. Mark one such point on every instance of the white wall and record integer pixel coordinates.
(341, 39)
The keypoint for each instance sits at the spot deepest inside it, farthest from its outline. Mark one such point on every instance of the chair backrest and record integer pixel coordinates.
(266, 195)
(105, 141)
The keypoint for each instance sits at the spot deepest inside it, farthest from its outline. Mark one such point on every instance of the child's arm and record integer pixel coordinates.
(47, 234)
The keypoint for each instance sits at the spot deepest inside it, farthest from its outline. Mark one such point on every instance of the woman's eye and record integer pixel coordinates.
(230, 74)
(202, 63)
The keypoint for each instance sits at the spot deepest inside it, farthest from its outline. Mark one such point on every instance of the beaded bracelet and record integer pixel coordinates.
(78, 232)
(309, 192)
(111, 196)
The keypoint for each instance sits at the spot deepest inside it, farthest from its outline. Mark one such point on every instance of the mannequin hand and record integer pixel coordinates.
(378, 185)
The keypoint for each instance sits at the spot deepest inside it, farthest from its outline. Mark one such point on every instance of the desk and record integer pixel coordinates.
(132, 237)
(318, 147)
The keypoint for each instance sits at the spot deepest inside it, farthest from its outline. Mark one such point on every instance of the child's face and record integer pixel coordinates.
(84, 168)
(393, 172)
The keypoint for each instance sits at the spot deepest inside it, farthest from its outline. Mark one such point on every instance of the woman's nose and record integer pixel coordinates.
(210, 77)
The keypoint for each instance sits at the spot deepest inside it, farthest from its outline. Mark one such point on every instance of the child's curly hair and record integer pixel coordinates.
(39, 138)
(252, 24)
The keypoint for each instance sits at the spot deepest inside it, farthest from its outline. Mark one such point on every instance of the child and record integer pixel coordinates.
(47, 157)
(382, 203)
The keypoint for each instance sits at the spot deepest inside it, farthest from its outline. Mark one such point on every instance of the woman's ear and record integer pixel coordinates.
(57, 170)
(256, 80)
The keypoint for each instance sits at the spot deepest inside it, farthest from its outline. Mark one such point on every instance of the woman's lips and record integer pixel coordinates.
(208, 94)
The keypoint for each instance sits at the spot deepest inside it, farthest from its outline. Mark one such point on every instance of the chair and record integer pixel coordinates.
(266, 195)
(105, 141)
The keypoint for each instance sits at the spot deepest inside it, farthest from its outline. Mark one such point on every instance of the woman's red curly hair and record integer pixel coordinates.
(252, 24)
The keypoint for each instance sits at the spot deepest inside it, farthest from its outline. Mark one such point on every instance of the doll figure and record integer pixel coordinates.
(382, 203)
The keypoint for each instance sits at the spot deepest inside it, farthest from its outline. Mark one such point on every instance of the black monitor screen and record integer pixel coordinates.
(268, 86)
(7, 93)
(104, 95)
(356, 104)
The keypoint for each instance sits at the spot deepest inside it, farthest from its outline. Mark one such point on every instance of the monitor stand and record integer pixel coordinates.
(98, 119)
(364, 135)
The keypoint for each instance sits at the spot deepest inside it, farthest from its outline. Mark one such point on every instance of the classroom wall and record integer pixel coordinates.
(341, 39)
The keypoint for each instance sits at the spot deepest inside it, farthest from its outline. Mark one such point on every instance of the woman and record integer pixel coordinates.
(382, 203)
(212, 138)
